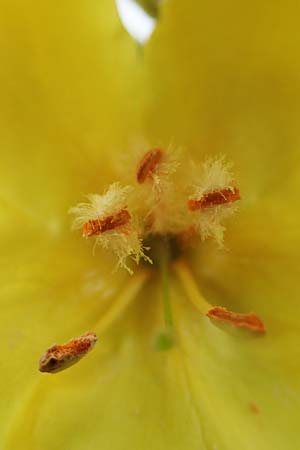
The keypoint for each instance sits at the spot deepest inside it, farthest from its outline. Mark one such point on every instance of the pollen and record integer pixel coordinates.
(98, 226)
(60, 357)
(159, 200)
(101, 207)
(107, 218)
(148, 165)
(166, 201)
(249, 321)
(214, 198)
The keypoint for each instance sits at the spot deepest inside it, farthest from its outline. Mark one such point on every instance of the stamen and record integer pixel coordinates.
(98, 226)
(148, 165)
(122, 301)
(249, 321)
(214, 198)
(106, 217)
(214, 193)
(192, 290)
(60, 357)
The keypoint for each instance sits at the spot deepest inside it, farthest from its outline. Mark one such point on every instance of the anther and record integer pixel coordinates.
(148, 165)
(99, 226)
(214, 198)
(60, 357)
(249, 321)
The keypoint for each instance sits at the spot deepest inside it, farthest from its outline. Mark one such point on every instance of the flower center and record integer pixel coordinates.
(154, 220)
(163, 246)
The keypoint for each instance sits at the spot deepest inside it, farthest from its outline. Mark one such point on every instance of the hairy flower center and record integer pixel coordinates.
(155, 220)
(160, 245)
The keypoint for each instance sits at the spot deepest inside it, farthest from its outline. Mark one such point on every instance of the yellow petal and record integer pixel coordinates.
(49, 294)
(65, 82)
(247, 392)
(235, 73)
(125, 395)
(71, 93)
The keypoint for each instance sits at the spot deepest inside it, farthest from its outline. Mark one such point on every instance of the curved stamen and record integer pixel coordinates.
(122, 301)
(191, 288)
(250, 321)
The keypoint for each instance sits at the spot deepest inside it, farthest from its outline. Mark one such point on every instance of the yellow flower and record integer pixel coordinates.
(75, 94)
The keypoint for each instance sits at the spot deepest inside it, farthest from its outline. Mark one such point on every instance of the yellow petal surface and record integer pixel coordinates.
(216, 78)
(62, 79)
(125, 395)
(234, 69)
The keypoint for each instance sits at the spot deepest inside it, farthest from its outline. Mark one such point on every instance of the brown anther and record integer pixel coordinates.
(98, 226)
(249, 321)
(214, 198)
(59, 357)
(148, 165)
